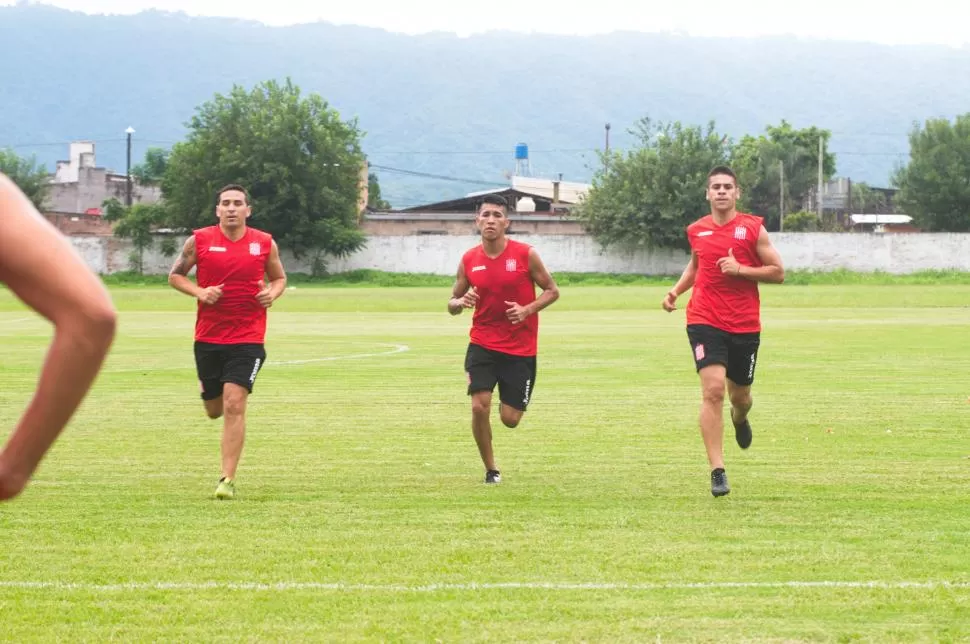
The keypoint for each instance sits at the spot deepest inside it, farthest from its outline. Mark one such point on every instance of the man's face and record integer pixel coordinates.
(492, 221)
(233, 209)
(723, 192)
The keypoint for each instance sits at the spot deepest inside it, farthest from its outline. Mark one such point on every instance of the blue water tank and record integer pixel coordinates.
(521, 151)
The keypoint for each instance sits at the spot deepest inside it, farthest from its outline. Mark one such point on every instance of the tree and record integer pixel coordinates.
(300, 163)
(934, 187)
(867, 200)
(374, 199)
(34, 180)
(758, 161)
(801, 222)
(139, 223)
(646, 197)
(152, 170)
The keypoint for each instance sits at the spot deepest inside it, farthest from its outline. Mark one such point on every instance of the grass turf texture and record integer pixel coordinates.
(360, 503)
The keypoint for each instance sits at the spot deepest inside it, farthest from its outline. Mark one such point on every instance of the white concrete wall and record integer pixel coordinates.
(439, 254)
(94, 251)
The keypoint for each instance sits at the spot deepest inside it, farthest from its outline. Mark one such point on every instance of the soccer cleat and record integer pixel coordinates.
(226, 489)
(742, 433)
(719, 482)
(493, 476)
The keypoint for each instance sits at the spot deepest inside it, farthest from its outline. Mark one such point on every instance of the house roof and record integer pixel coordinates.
(470, 202)
(569, 191)
(540, 190)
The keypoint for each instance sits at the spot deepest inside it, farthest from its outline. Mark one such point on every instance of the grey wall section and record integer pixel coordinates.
(94, 250)
(439, 254)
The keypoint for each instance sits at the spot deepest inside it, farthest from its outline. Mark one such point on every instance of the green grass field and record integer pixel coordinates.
(361, 513)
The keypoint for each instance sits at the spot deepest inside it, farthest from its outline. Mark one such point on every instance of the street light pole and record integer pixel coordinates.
(129, 132)
(606, 150)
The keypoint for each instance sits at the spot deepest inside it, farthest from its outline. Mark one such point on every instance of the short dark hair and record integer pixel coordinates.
(497, 200)
(722, 169)
(232, 186)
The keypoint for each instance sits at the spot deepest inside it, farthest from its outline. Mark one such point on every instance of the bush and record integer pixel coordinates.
(801, 222)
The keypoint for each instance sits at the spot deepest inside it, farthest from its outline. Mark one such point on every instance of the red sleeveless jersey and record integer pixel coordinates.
(504, 278)
(727, 302)
(238, 317)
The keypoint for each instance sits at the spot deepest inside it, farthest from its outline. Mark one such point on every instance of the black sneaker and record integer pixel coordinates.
(493, 476)
(719, 484)
(742, 433)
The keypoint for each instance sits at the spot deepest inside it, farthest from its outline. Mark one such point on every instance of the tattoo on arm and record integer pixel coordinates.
(186, 259)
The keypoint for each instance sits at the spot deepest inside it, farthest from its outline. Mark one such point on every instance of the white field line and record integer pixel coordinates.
(395, 348)
(473, 587)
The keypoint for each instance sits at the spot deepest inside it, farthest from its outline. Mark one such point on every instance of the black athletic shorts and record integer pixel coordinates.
(515, 375)
(217, 364)
(736, 351)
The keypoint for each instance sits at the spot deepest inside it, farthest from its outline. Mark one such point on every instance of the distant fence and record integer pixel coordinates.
(439, 254)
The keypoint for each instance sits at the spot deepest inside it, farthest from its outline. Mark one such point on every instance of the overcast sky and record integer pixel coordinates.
(927, 21)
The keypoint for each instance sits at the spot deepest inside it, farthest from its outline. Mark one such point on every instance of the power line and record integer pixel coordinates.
(893, 134)
(870, 154)
(66, 143)
(456, 152)
(48, 144)
(442, 177)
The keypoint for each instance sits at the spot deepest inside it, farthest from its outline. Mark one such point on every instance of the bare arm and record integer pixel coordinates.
(42, 268)
(277, 278)
(516, 312)
(541, 276)
(686, 281)
(463, 295)
(684, 284)
(772, 272)
(178, 275)
(275, 272)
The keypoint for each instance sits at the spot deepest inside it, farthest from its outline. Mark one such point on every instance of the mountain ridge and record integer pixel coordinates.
(456, 106)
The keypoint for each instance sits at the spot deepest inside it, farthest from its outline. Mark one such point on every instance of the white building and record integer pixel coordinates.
(80, 186)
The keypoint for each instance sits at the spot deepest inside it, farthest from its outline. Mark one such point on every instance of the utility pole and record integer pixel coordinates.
(820, 159)
(129, 132)
(781, 196)
(606, 156)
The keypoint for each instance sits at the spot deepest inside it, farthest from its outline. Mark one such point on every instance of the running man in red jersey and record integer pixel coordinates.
(730, 253)
(498, 279)
(44, 271)
(233, 262)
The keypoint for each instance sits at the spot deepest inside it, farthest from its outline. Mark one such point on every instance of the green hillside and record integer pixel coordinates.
(443, 105)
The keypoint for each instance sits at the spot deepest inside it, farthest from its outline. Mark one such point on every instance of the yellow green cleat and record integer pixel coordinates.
(226, 490)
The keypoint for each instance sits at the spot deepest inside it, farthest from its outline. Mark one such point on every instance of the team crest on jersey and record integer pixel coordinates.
(741, 232)
(510, 265)
(254, 248)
